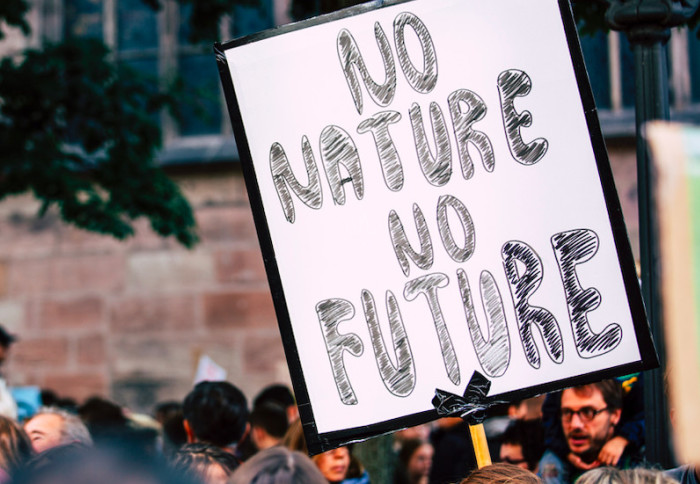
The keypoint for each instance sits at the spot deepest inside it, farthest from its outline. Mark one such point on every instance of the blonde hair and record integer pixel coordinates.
(15, 446)
(501, 473)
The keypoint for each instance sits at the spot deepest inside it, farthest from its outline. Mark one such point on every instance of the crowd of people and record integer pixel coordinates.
(588, 434)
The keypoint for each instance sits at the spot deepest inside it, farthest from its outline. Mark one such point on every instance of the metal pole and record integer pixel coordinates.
(647, 24)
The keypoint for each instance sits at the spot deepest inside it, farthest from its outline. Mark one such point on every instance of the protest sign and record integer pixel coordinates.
(675, 150)
(433, 198)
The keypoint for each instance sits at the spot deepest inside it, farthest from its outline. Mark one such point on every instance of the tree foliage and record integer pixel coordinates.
(81, 134)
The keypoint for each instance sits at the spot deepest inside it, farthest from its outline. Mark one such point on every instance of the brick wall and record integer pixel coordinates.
(129, 320)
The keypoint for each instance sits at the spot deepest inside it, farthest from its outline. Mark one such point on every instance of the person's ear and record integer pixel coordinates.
(615, 416)
(191, 439)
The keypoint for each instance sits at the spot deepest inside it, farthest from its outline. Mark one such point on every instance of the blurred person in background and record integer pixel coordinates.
(216, 412)
(414, 461)
(268, 424)
(51, 427)
(206, 462)
(522, 444)
(337, 465)
(8, 406)
(15, 448)
(501, 473)
(278, 465)
(169, 415)
(281, 395)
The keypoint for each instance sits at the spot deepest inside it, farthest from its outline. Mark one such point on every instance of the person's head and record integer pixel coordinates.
(602, 475)
(333, 464)
(522, 444)
(281, 395)
(209, 463)
(589, 414)
(169, 415)
(216, 413)
(268, 424)
(501, 473)
(415, 459)
(15, 447)
(278, 465)
(79, 464)
(6, 340)
(51, 427)
(294, 438)
(641, 475)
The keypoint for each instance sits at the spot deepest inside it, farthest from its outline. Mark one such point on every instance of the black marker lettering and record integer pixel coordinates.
(330, 313)
(458, 254)
(389, 159)
(399, 379)
(465, 134)
(437, 169)
(421, 81)
(511, 84)
(572, 248)
(402, 247)
(522, 286)
(338, 148)
(350, 56)
(428, 285)
(282, 176)
(494, 353)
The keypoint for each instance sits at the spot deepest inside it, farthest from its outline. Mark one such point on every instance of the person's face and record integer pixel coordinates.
(44, 431)
(588, 430)
(334, 464)
(420, 462)
(4, 350)
(513, 454)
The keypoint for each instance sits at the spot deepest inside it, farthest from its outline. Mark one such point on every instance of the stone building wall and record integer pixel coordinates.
(128, 320)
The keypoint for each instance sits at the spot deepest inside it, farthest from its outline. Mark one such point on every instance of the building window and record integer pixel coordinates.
(157, 45)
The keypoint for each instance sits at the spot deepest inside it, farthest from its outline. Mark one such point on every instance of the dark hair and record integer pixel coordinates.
(198, 457)
(278, 465)
(529, 434)
(271, 417)
(170, 416)
(408, 448)
(6, 339)
(277, 393)
(610, 389)
(217, 412)
(501, 473)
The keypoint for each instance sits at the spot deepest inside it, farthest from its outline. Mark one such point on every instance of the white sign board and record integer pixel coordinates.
(432, 197)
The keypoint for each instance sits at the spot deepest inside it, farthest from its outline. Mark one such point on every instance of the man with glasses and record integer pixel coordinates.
(589, 416)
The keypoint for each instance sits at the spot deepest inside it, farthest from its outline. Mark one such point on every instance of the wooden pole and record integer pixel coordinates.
(481, 446)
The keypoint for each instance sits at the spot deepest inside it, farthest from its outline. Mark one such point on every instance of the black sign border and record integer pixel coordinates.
(318, 443)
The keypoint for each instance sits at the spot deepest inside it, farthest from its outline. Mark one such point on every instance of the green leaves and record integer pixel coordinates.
(82, 135)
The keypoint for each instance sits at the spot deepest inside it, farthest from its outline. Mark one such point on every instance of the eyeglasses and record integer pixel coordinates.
(586, 414)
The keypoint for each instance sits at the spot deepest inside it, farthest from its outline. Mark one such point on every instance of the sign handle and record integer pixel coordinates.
(481, 446)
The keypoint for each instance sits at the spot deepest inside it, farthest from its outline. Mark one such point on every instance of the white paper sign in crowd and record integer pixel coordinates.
(432, 197)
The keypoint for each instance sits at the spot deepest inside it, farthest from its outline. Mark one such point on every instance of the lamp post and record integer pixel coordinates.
(647, 24)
